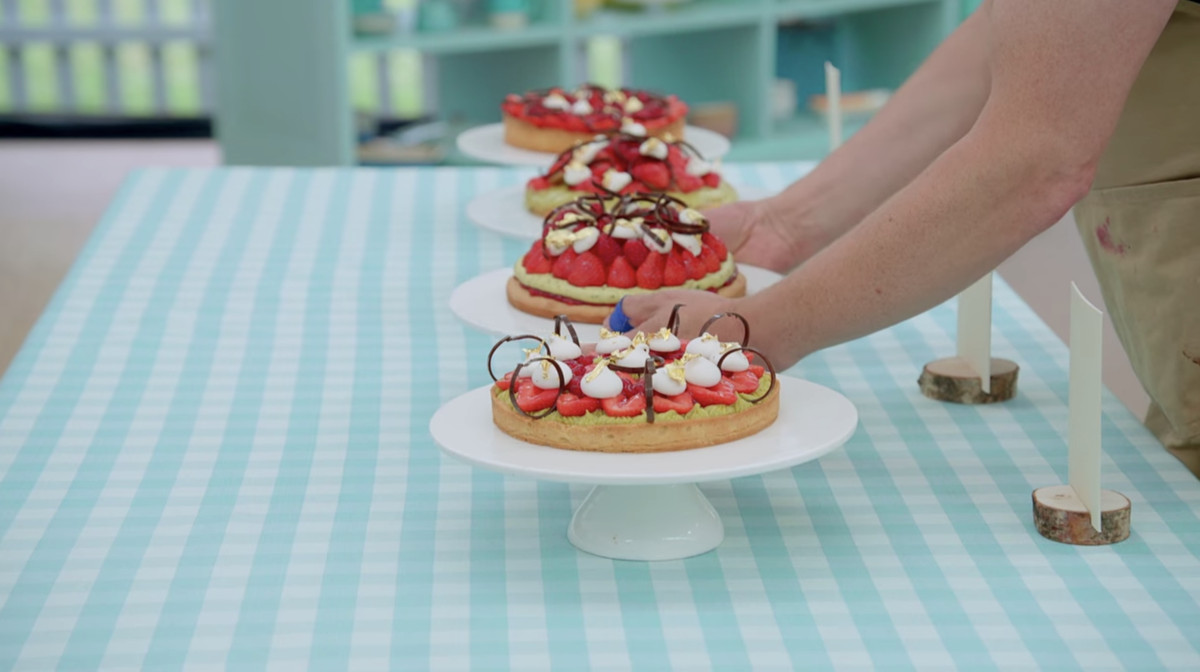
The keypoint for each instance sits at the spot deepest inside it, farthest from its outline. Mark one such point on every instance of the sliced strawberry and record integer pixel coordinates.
(634, 187)
(624, 407)
(688, 183)
(654, 175)
(757, 370)
(650, 273)
(692, 265)
(532, 398)
(709, 240)
(626, 151)
(712, 180)
(587, 271)
(721, 394)
(621, 274)
(674, 274)
(712, 263)
(563, 264)
(539, 183)
(535, 260)
(680, 403)
(504, 382)
(677, 160)
(573, 405)
(636, 252)
(744, 381)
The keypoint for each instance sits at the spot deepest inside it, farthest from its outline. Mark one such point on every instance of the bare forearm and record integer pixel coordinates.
(934, 109)
(974, 206)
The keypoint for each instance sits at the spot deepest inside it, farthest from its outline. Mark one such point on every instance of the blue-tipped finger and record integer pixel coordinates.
(617, 321)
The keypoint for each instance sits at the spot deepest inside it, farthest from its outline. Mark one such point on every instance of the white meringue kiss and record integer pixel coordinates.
(736, 361)
(581, 107)
(562, 348)
(555, 101)
(605, 385)
(576, 173)
(633, 128)
(707, 346)
(627, 229)
(587, 153)
(607, 346)
(698, 167)
(665, 384)
(633, 105)
(545, 377)
(635, 359)
(668, 344)
(586, 239)
(616, 180)
(654, 148)
(689, 242)
(702, 372)
(691, 216)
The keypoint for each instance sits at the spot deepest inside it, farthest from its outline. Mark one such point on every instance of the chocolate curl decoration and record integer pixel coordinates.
(767, 362)
(560, 320)
(510, 339)
(578, 206)
(648, 386)
(673, 320)
(745, 326)
(669, 217)
(512, 389)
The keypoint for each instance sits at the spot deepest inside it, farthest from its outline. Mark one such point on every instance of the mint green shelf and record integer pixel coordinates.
(705, 51)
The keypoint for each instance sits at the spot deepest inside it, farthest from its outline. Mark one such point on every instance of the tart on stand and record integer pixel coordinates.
(641, 394)
(626, 163)
(552, 120)
(596, 250)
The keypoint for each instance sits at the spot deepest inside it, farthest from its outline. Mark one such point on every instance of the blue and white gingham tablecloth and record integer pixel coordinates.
(214, 452)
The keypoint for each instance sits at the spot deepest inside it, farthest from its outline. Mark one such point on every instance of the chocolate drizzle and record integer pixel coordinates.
(745, 325)
(510, 339)
(512, 388)
(673, 320)
(560, 320)
(648, 386)
(766, 362)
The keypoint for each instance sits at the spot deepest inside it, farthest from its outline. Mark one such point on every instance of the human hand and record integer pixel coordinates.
(754, 235)
(650, 312)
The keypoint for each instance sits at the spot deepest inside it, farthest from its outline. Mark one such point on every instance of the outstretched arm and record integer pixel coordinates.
(931, 111)
(1059, 75)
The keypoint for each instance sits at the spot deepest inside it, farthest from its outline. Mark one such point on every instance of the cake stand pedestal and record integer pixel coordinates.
(646, 506)
(646, 522)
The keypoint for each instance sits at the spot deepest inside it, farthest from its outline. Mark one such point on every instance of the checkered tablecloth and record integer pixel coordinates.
(214, 452)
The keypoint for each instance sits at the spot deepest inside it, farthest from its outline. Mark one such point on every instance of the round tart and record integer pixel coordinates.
(641, 394)
(552, 120)
(594, 251)
(629, 163)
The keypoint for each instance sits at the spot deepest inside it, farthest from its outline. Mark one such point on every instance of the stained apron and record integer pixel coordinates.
(1141, 227)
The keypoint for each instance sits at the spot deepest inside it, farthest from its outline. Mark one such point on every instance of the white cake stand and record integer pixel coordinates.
(503, 210)
(486, 143)
(481, 302)
(647, 506)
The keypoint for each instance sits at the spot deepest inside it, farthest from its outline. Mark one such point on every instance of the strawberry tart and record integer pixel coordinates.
(645, 394)
(595, 251)
(627, 163)
(553, 120)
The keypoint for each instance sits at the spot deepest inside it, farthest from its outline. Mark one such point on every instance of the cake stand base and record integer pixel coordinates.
(646, 522)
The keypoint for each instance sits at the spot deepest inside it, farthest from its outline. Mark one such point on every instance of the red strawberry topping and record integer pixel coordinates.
(712, 180)
(587, 271)
(624, 407)
(532, 398)
(680, 403)
(535, 260)
(692, 265)
(636, 252)
(574, 405)
(563, 264)
(674, 274)
(721, 394)
(712, 263)
(744, 381)
(650, 273)
(621, 274)
(715, 243)
(653, 175)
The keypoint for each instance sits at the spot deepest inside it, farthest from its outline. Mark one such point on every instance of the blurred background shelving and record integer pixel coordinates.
(749, 64)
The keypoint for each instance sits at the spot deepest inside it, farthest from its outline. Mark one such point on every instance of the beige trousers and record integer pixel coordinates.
(1141, 227)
